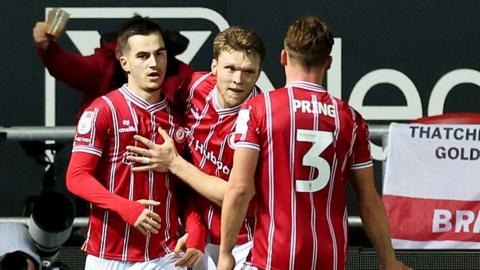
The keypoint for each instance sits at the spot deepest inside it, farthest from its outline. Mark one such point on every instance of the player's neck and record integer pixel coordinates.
(299, 73)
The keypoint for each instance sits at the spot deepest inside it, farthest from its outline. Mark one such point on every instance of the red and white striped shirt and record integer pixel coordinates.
(210, 139)
(100, 173)
(308, 142)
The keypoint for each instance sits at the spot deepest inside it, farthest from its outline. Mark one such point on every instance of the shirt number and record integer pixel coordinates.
(321, 140)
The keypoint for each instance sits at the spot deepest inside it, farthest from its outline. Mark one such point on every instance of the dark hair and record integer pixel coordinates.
(137, 25)
(309, 41)
(238, 39)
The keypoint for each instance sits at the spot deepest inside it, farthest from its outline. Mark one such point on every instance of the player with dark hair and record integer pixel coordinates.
(213, 100)
(134, 215)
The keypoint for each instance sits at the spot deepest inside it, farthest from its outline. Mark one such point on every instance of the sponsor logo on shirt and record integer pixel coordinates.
(127, 129)
(125, 155)
(211, 157)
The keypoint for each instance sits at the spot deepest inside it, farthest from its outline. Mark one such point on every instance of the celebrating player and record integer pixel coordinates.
(213, 103)
(134, 216)
(295, 148)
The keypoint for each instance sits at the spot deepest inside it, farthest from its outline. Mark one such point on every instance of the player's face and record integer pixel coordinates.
(145, 62)
(237, 72)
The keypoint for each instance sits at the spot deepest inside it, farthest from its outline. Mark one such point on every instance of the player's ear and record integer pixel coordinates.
(283, 57)
(124, 63)
(214, 66)
(328, 63)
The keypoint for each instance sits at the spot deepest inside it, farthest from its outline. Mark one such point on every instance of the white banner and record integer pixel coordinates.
(431, 189)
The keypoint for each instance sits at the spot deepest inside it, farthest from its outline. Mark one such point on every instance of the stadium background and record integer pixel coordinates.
(420, 42)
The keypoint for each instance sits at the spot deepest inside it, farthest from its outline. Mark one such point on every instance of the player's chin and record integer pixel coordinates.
(238, 98)
(233, 102)
(152, 86)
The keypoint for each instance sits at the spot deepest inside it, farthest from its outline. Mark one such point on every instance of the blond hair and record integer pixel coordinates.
(236, 38)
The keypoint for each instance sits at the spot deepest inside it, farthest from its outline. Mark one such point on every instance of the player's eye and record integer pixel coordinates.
(142, 56)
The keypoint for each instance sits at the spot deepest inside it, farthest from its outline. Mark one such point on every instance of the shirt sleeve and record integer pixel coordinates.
(78, 71)
(247, 128)
(88, 147)
(361, 156)
(192, 219)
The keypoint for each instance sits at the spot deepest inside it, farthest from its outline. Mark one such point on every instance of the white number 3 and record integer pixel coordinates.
(321, 140)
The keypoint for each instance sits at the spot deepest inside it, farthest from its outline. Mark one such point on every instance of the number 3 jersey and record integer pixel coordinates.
(210, 139)
(308, 142)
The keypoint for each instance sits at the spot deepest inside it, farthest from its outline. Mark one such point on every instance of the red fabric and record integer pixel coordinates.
(210, 140)
(99, 173)
(92, 75)
(306, 139)
(430, 219)
(97, 74)
(82, 183)
(194, 226)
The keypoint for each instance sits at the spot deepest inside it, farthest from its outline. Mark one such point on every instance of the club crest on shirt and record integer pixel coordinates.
(85, 123)
(180, 135)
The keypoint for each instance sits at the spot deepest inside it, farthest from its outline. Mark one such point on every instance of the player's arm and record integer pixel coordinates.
(78, 71)
(164, 157)
(90, 141)
(240, 191)
(374, 218)
(193, 242)
(82, 182)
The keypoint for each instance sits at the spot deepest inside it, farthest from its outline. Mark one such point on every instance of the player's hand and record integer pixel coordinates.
(192, 256)
(226, 261)
(156, 157)
(40, 37)
(148, 222)
(395, 265)
(148, 202)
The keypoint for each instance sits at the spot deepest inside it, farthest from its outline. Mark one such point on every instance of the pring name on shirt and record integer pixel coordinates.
(310, 106)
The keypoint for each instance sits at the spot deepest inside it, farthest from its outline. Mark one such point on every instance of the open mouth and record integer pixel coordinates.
(153, 74)
(235, 90)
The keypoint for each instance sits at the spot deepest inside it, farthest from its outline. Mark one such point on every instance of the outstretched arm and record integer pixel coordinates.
(374, 218)
(164, 157)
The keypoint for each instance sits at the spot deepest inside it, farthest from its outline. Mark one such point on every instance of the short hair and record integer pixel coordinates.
(137, 25)
(309, 41)
(237, 38)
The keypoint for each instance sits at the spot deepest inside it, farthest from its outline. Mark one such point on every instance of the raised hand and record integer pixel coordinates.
(40, 37)
(157, 157)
